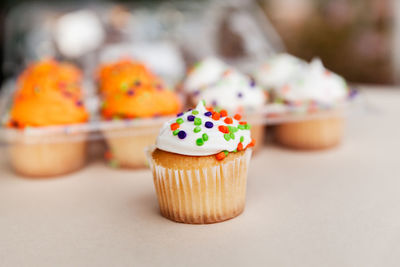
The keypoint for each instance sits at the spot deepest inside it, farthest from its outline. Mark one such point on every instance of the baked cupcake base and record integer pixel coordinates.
(127, 146)
(47, 159)
(200, 190)
(311, 134)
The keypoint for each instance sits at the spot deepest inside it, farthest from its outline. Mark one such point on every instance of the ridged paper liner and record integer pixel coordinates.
(207, 195)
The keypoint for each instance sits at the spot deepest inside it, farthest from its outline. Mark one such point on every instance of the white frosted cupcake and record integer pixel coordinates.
(319, 90)
(200, 166)
(278, 70)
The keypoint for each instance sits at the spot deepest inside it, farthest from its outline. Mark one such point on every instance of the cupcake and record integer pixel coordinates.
(234, 92)
(200, 166)
(318, 91)
(277, 71)
(130, 91)
(48, 93)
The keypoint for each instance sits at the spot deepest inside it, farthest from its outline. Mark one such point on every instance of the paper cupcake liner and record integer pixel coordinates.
(203, 195)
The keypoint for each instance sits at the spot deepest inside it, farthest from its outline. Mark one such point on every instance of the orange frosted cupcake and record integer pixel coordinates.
(131, 91)
(48, 93)
(200, 166)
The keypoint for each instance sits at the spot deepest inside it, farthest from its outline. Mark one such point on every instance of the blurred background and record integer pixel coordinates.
(356, 39)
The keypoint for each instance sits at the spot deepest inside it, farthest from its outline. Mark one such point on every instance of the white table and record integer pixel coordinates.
(339, 207)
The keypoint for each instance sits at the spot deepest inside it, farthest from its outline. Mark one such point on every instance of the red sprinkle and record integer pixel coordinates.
(242, 122)
(223, 113)
(237, 117)
(240, 147)
(174, 126)
(210, 108)
(108, 155)
(215, 116)
(220, 156)
(252, 143)
(223, 129)
(228, 120)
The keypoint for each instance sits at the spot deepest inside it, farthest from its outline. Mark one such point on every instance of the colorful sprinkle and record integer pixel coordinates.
(175, 132)
(237, 117)
(228, 120)
(205, 137)
(197, 121)
(208, 113)
(220, 155)
(240, 95)
(240, 146)
(199, 142)
(179, 114)
(242, 122)
(241, 139)
(209, 124)
(191, 118)
(223, 113)
(232, 135)
(216, 116)
(247, 126)
(195, 112)
(182, 134)
(130, 92)
(196, 129)
(180, 120)
(223, 129)
(227, 136)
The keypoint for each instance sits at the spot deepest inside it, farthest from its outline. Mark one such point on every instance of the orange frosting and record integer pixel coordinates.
(130, 90)
(48, 93)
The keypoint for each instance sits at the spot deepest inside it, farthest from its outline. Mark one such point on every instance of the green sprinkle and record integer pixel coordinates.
(232, 129)
(232, 135)
(226, 152)
(204, 102)
(196, 129)
(124, 86)
(175, 132)
(199, 142)
(195, 112)
(227, 137)
(205, 137)
(241, 139)
(235, 150)
(179, 120)
(241, 127)
(247, 126)
(197, 121)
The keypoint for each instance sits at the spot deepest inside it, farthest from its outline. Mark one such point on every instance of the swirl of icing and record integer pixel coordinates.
(48, 93)
(203, 74)
(315, 83)
(235, 92)
(203, 132)
(278, 70)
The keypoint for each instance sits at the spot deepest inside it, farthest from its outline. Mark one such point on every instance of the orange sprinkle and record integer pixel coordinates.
(327, 72)
(242, 122)
(252, 143)
(174, 126)
(237, 117)
(228, 120)
(108, 155)
(220, 156)
(223, 113)
(210, 108)
(223, 129)
(240, 147)
(215, 116)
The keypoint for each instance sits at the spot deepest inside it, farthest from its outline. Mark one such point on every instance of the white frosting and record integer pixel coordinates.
(205, 72)
(216, 142)
(234, 91)
(315, 83)
(278, 70)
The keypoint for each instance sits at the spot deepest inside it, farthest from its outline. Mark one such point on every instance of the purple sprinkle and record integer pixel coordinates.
(179, 114)
(189, 109)
(197, 92)
(208, 114)
(182, 134)
(252, 83)
(353, 93)
(240, 95)
(209, 124)
(191, 118)
(79, 103)
(214, 103)
(130, 92)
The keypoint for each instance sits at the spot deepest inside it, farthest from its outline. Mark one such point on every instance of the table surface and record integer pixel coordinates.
(337, 207)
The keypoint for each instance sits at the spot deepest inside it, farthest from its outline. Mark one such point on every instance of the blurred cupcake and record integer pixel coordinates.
(277, 71)
(319, 91)
(203, 74)
(234, 92)
(131, 91)
(200, 166)
(48, 93)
